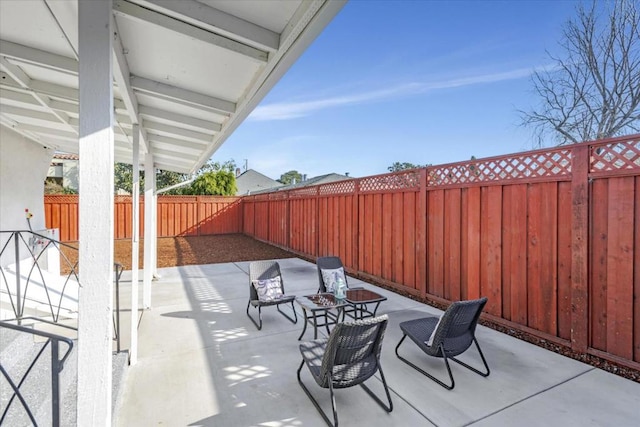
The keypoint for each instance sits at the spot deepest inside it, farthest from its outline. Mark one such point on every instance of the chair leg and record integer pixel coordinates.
(315, 402)
(292, 320)
(259, 326)
(484, 361)
(446, 362)
(388, 408)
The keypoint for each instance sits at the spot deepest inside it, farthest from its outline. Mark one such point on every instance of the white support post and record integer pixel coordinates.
(96, 149)
(135, 246)
(150, 233)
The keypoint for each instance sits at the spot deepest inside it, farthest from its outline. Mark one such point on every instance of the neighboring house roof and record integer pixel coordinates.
(316, 180)
(251, 181)
(66, 156)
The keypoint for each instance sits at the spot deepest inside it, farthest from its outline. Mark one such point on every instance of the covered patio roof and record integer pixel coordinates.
(187, 72)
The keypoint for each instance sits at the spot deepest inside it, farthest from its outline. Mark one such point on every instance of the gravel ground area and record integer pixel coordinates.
(238, 247)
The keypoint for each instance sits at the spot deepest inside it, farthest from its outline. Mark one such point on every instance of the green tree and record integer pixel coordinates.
(397, 166)
(123, 178)
(219, 183)
(289, 177)
(593, 91)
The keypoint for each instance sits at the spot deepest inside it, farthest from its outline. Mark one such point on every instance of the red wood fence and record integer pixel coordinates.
(552, 237)
(177, 216)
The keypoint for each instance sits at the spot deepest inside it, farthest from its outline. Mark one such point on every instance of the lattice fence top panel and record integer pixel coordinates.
(538, 164)
(303, 192)
(339, 187)
(61, 198)
(406, 180)
(177, 199)
(278, 195)
(261, 197)
(624, 155)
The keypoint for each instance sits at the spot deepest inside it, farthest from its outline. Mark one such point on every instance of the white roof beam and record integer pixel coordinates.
(174, 165)
(122, 76)
(150, 112)
(25, 82)
(43, 130)
(38, 115)
(18, 99)
(176, 94)
(168, 143)
(141, 14)
(37, 88)
(38, 57)
(155, 127)
(225, 24)
(172, 154)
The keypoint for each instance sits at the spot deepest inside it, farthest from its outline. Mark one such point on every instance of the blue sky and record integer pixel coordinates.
(408, 81)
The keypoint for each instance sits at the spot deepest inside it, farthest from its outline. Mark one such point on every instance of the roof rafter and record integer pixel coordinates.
(38, 57)
(223, 23)
(25, 82)
(169, 143)
(123, 79)
(155, 127)
(176, 94)
(133, 11)
(205, 125)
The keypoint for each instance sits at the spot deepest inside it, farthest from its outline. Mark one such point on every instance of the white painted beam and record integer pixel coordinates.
(140, 14)
(172, 144)
(39, 57)
(123, 76)
(135, 245)
(49, 131)
(172, 154)
(96, 150)
(150, 228)
(208, 126)
(172, 166)
(18, 99)
(180, 133)
(223, 23)
(173, 93)
(25, 82)
(38, 88)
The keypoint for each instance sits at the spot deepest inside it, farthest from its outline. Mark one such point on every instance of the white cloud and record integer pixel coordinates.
(292, 110)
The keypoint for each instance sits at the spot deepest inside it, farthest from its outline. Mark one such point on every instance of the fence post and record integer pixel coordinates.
(287, 224)
(579, 247)
(421, 235)
(355, 226)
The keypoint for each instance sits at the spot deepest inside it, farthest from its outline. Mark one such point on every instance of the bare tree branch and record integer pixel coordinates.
(594, 90)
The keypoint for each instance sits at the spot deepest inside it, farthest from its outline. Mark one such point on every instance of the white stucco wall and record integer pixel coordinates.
(23, 168)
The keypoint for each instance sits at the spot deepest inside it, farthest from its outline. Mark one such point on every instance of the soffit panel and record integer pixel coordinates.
(30, 23)
(273, 15)
(164, 56)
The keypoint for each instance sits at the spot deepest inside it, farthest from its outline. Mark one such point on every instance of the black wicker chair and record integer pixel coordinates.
(262, 270)
(454, 334)
(332, 263)
(350, 356)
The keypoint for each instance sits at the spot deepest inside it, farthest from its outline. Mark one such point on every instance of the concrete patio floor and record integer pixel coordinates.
(201, 362)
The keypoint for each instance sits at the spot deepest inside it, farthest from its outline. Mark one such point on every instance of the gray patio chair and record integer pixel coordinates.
(332, 263)
(450, 336)
(264, 271)
(349, 357)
